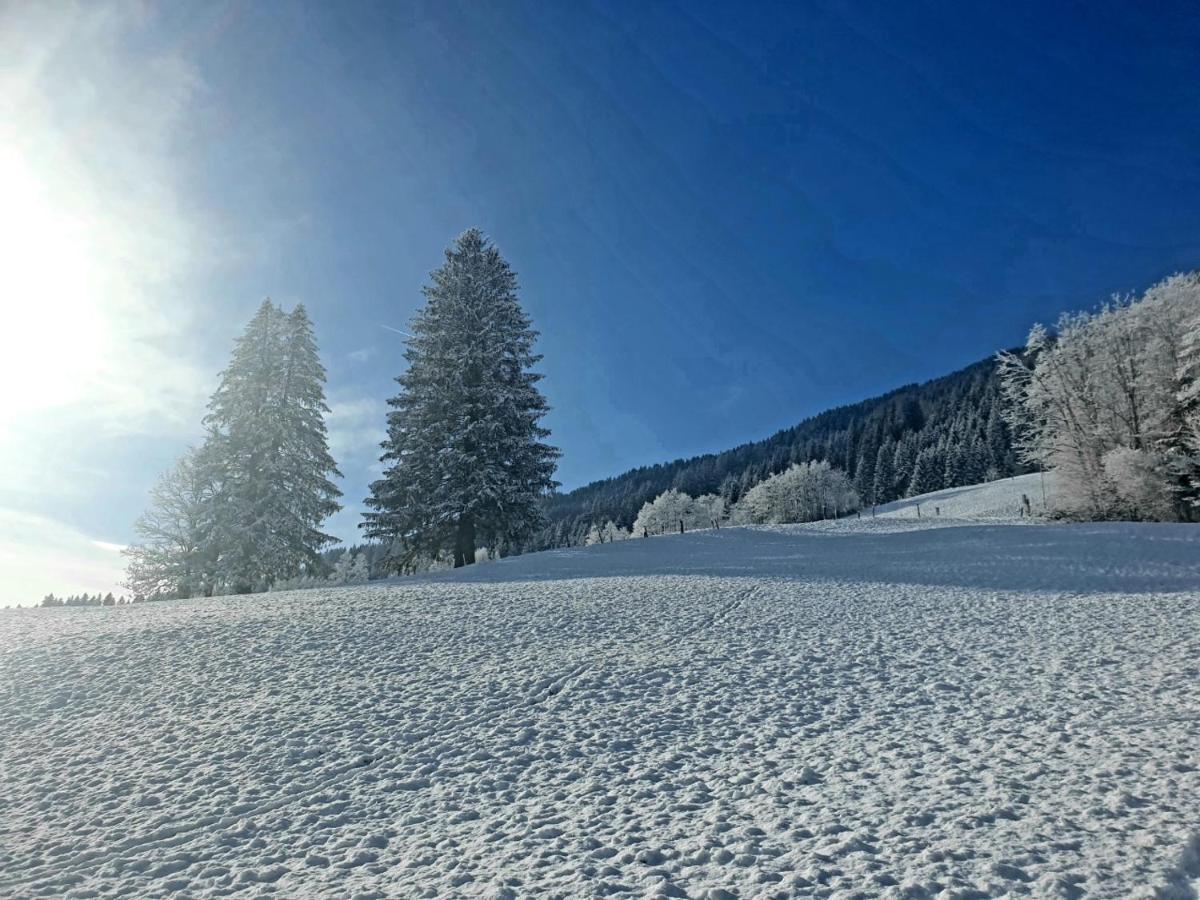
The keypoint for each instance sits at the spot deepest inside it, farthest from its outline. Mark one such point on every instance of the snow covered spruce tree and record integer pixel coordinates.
(244, 510)
(465, 454)
(267, 454)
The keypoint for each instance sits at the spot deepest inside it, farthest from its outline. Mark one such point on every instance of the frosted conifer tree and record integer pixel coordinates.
(885, 479)
(905, 460)
(268, 454)
(612, 532)
(864, 476)
(467, 463)
(926, 474)
(342, 568)
(1189, 410)
(360, 569)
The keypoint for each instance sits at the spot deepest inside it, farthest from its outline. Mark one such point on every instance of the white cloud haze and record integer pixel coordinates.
(96, 242)
(31, 546)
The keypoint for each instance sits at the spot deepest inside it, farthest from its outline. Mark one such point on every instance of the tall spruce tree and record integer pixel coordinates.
(267, 454)
(465, 454)
(885, 477)
(927, 473)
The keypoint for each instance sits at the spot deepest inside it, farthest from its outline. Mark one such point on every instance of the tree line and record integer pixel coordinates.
(804, 492)
(1108, 399)
(919, 438)
(245, 508)
(466, 462)
(89, 600)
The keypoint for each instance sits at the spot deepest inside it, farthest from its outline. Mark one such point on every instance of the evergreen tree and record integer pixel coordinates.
(885, 477)
(999, 445)
(927, 473)
(341, 568)
(975, 462)
(360, 570)
(905, 460)
(955, 466)
(1182, 443)
(949, 410)
(267, 454)
(864, 476)
(465, 453)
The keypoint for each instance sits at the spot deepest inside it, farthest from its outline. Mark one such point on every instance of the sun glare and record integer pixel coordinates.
(52, 330)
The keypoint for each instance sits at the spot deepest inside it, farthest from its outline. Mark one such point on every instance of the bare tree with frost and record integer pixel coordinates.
(1105, 402)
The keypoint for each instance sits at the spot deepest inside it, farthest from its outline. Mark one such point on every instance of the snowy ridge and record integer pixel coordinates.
(973, 709)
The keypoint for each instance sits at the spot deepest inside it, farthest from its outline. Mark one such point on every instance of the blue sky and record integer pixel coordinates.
(725, 217)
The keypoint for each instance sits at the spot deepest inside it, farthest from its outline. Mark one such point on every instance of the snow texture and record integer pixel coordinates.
(885, 707)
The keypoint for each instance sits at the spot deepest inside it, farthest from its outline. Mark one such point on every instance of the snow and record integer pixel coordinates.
(864, 708)
(993, 500)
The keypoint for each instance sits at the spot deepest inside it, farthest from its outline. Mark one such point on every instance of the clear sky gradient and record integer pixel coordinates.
(725, 217)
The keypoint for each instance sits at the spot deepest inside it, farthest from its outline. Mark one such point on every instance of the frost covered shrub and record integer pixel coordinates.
(606, 534)
(1123, 378)
(804, 493)
(351, 568)
(1139, 483)
(710, 510)
(665, 512)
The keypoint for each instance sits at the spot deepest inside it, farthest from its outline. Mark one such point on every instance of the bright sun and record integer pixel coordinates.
(52, 328)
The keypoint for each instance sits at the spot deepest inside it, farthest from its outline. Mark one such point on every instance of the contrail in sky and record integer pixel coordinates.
(397, 330)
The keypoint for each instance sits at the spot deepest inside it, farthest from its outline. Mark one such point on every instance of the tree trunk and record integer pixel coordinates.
(464, 542)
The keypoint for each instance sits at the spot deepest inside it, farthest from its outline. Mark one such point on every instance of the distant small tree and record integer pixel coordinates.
(674, 510)
(350, 568)
(360, 571)
(709, 511)
(607, 533)
(613, 532)
(341, 568)
(805, 492)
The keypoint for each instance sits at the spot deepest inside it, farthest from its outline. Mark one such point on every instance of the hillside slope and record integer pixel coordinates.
(954, 420)
(892, 707)
(994, 500)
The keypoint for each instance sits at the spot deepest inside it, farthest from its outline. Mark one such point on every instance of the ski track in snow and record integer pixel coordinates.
(847, 709)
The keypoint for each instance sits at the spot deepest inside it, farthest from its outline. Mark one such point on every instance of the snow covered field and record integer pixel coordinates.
(995, 500)
(886, 707)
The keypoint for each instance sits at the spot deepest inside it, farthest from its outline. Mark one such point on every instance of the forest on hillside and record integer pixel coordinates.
(922, 437)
